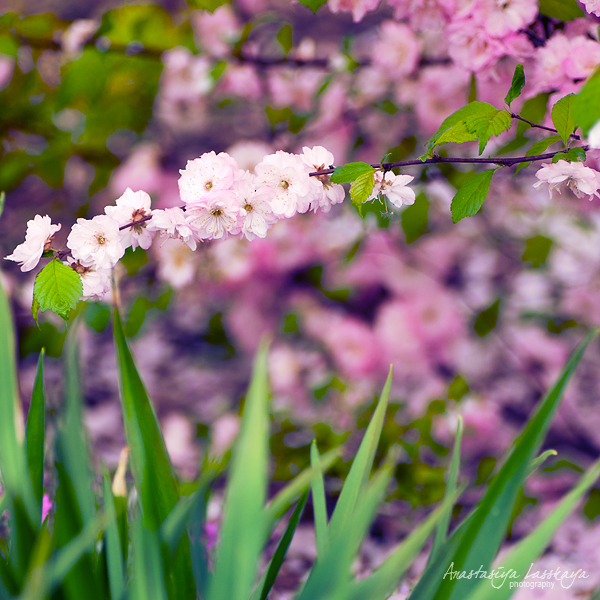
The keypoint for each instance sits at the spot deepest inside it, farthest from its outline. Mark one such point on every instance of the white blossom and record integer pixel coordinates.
(96, 242)
(394, 187)
(171, 222)
(255, 207)
(96, 281)
(583, 181)
(287, 175)
(37, 240)
(326, 193)
(216, 217)
(132, 207)
(206, 176)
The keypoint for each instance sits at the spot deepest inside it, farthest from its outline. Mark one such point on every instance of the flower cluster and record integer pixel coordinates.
(219, 199)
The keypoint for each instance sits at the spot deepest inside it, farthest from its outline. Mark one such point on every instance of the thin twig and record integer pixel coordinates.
(504, 162)
(573, 135)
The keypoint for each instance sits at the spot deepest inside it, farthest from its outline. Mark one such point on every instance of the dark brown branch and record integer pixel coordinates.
(574, 136)
(504, 162)
(136, 222)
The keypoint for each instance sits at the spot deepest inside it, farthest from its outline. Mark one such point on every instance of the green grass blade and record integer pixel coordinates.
(153, 474)
(148, 581)
(112, 543)
(329, 578)
(319, 503)
(478, 541)
(266, 583)
(529, 549)
(243, 528)
(12, 454)
(361, 467)
(441, 531)
(386, 578)
(46, 577)
(283, 501)
(536, 463)
(35, 434)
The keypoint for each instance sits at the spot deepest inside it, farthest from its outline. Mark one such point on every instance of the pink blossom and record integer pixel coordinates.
(176, 263)
(327, 193)
(206, 176)
(46, 506)
(396, 50)
(216, 216)
(358, 8)
(583, 57)
(96, 242)
(217, 32)
(77, 34)
(592, 6)
(424, 14)
(132, 207)
(294, 88)
(501, 17)
(287, 176)
(38, 239)
(583, 181)
(472, 47)
(7, 66)
(242, 81)
(549, 73)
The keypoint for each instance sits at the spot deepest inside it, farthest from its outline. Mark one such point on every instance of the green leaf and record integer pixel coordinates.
(529, 549)
(565, 10)
(488, 124)
(536, 463)
(57, 287)
(487, 319)
(572, 154)
(536, 250)
(319, 503)
(471, 195)
(586, 108)
(243, 527)
(35, 434)
(314, 5)
(361, 467)
(457, 134)
(148, 581)
(562, 117)
(154, 478)
(461, 114)
(414, 219)
(361, 188)
(279, 556)
(538, 148)
(2, 202)
(285, 37)
(518, 82)
(350, 171)
(476, 542)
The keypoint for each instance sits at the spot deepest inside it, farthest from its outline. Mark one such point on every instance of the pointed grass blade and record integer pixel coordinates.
(266, 583)
(154, 477)
(477, 541)
(112, 543)
(243, 528)
(35, 434)
(361, 467)
(319, 503)
(529, 549)
(441, 531)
